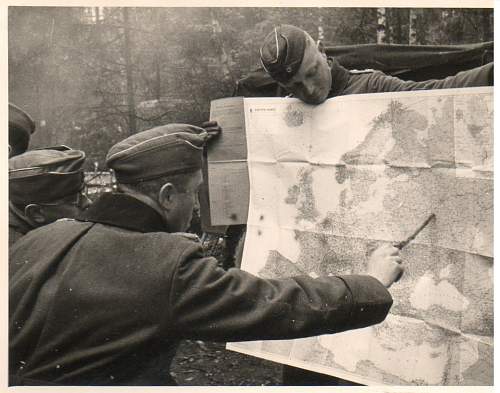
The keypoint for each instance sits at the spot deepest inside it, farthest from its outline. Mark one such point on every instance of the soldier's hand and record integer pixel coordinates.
(385, 265)
(212, 128)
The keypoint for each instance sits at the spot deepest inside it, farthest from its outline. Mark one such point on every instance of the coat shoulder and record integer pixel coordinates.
(172, 246)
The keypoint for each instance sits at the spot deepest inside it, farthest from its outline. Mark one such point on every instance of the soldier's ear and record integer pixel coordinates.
(167, 196)
(34, 214)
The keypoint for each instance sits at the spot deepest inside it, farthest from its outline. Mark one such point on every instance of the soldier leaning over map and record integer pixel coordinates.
(293, 59)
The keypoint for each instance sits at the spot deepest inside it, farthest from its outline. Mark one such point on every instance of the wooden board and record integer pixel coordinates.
(228, 182)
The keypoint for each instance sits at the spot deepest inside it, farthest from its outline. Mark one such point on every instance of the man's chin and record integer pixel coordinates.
(315, 100)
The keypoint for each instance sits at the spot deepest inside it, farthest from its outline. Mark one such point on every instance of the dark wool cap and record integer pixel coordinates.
(45, 175)
(282, 52)
(160, 151)
(21, 126)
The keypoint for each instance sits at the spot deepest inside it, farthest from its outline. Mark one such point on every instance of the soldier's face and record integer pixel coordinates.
(68, 207)
(313, 80)
(186, 201)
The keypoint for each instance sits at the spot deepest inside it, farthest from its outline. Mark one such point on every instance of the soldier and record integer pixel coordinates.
(44, 185)
(21, 126)
(292, 58)
(104, 299)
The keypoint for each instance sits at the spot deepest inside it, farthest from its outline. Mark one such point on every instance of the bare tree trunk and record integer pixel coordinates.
(459, 35)
(398, 31)
(49, 65)
(157, 76)
(132, 120)
(321, 31)
(486, 22)
(412, 38)
(97, 39)
(381, 26)
(97, 15)
(40, 114)
(158, 57)
(225, 59)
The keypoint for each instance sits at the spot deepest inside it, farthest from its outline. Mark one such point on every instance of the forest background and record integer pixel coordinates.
(91, 76)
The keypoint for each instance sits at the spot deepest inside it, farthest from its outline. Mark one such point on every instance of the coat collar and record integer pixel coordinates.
(124, 211)
(340, 78)
(17, 221)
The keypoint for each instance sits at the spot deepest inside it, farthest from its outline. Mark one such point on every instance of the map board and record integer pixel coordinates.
(331, 182)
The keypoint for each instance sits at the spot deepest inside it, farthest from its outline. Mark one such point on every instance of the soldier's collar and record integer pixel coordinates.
(18, 221)
(124, 211)
(340, 78)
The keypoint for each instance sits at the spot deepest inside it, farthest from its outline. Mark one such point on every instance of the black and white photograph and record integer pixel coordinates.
(205, 196)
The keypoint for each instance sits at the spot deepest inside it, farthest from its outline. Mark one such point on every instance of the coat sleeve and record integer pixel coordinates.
(479, 76)
(207, 302)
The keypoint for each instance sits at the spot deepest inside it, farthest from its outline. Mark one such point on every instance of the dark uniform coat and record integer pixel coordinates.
(18, 227)
(105, 299)
(346, 82)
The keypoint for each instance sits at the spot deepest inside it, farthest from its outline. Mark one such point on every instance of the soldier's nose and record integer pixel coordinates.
(309, 90)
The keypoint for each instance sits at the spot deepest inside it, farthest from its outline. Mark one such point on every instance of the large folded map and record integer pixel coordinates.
(331, 182)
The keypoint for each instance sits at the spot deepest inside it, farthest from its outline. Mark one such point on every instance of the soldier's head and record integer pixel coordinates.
(21, 126)
(299, 64)
(162, 168)
(47, 184)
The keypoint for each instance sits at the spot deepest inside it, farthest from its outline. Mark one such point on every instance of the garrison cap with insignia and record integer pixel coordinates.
(21, 126)
(160, 151)
(45, 175)
(282, 52)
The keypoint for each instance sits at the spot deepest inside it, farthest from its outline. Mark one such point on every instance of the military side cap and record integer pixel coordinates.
(45, 175)
(160, 151)
(282, 52)
(21, 126)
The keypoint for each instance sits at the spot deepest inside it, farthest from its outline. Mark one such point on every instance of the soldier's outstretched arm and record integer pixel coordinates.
(207, 302)
(479, 76)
